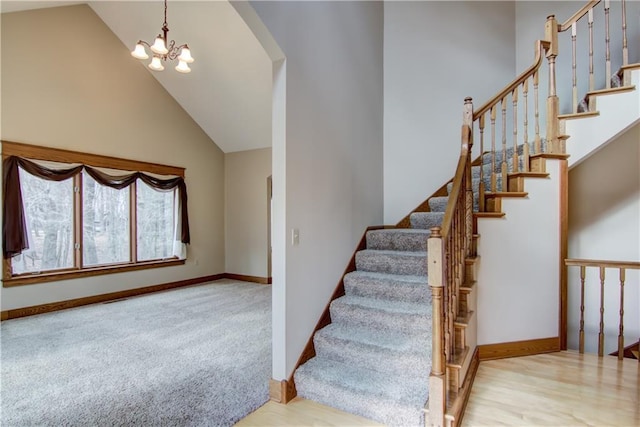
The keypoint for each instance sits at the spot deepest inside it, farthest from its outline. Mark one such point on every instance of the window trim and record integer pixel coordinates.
(34, 152)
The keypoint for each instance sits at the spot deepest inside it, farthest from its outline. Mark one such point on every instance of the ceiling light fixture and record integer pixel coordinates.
(163, 51)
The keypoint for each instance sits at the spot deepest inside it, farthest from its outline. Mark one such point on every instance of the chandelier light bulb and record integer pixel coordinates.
(159, 46)
(185, 55)
(139, 52)
(182, 67)
(156, 64)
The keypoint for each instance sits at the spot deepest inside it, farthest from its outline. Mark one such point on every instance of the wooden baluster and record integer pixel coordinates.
(536, 113)
(601, 333)
(481, 186)
(514, 98)
(573, 67)
(504, 168)
(592, 84)
(625, 50)
(494, 179)
(454, 277)
(525, 152)
(445, 310)
(582, 278)
(621, 325)
(607, 47)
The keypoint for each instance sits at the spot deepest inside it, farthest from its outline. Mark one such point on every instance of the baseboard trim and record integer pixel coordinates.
(519, 348)
(462, 398)
(78, 302)
(245, 278)
(282, 391)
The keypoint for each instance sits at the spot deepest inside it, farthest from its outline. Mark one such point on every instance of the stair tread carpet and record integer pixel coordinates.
(394, 262)
(398, 239)
(395, 316)
(392, 400)
(399, 307)
(392, 353)
(388, 286)
(426, 220)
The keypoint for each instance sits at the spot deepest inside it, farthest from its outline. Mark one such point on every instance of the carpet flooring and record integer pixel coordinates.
(196, 356)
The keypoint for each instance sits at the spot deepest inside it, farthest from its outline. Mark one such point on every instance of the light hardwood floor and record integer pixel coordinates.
(556, 389)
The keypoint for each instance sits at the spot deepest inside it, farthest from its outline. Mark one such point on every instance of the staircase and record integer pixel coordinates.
(401, 347)
(374, 358)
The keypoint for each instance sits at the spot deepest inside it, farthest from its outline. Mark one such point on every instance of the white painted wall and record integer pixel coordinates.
(328, 144)
(246, 204)
(90, 96)
(604, 223)
(436, 53)
(519, 267)
(617, 114)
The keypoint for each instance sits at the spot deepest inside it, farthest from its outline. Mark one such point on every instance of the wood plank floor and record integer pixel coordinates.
(556, 389)
(301, 412)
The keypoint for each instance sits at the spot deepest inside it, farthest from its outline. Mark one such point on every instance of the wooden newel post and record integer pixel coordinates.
(553, 104)
(437, 379)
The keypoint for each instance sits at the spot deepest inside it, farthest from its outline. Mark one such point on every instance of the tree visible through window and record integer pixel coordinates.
(105, 220)
(64, 219)
(156, 223)
(49, 214)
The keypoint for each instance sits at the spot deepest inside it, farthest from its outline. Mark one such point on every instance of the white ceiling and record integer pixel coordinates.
(228, 92)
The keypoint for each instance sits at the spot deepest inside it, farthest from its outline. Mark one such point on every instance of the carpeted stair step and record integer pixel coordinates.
(392, 262)
(384, 315)
(392, 287)
(390, 352)
(438, 204)
(426, 220)
(399, 239)
(392, 400)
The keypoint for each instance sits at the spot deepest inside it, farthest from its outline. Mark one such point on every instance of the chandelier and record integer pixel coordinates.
(163, 51)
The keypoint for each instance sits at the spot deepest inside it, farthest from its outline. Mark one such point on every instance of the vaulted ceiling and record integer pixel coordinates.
(228, 92)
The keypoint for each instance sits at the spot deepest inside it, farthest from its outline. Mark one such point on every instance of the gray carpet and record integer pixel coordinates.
(196, 356)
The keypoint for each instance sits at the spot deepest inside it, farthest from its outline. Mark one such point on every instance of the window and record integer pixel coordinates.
(105, 223)
(66, 220)
(48, 209)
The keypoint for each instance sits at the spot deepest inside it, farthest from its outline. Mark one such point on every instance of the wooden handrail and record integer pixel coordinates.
(540, 46)
(457, 185)
(634, 265)
(576, 16)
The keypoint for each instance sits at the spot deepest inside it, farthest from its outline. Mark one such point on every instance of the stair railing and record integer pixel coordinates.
(512, 156)
(449, 247)
(587, 15)
(602, 266)
(517, 127)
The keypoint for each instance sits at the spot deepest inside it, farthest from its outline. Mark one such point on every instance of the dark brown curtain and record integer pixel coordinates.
(14, 230)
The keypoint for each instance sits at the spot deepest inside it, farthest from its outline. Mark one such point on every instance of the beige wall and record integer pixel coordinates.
(68, 82)
(246, 223)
